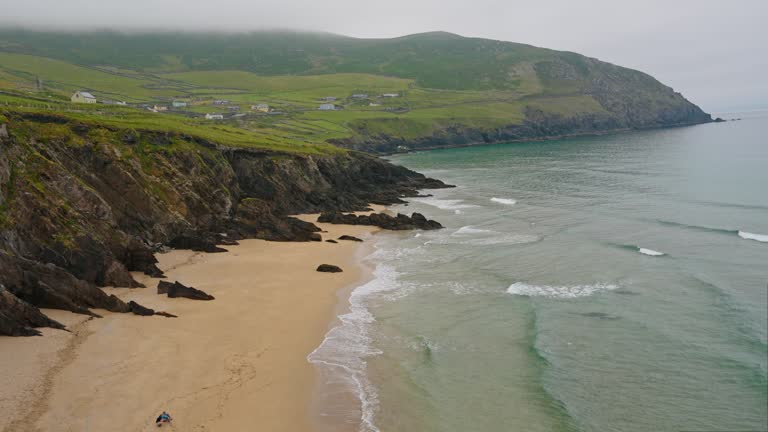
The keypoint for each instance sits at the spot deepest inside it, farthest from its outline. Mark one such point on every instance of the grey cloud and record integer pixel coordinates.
(711, 51)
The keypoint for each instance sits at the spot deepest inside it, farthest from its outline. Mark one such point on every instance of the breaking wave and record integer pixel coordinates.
(445, 204)
(470, 230)
(564, 292)
(650, 252)
(750, 236)
(505, 201)
(346, 347)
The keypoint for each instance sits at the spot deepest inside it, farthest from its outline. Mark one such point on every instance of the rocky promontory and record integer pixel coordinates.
(83, 204)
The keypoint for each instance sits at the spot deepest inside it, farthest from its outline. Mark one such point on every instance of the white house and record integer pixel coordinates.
(391, 95)
(210, 116)
(179, 104)
(83, 97)
(160, 108)
(327, 107)
(260, 107)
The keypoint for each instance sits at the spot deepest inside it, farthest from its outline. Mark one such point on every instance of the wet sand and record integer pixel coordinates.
(232, 364)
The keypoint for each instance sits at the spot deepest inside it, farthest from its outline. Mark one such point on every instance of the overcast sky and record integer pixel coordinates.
(714, 52)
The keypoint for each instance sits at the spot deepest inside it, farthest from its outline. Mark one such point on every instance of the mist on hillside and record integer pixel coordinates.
(708, 51)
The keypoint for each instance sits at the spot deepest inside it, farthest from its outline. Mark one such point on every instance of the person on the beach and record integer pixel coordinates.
(163, 418)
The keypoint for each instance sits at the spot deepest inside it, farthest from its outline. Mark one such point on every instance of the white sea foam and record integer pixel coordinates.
(459, 288)
(346, 347)
(505, 201)
(487, 239)
(470, 230)
(650, 252)
(569, 291)
(750, 236)
(445, 204)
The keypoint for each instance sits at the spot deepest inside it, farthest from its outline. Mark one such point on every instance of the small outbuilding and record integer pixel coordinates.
(211, 116)
(83, 97)
(179, 104)
(260, 107)
(327, 107)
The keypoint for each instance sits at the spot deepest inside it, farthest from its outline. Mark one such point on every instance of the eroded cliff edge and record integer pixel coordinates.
(83, 204)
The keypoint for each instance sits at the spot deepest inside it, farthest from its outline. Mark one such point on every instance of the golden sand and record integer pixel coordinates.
(237, 363)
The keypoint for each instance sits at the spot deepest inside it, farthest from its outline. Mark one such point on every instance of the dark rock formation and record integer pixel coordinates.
(315, 237)
(176, 289)
(17, 317)
(83, 204)
(331, 241)
(198, 243)
(350, 238)
(28, 285)
(329, 268)
(166, 314)
(382, 220)
(139, 309)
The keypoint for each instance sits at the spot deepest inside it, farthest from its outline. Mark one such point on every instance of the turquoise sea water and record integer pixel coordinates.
(615, 283)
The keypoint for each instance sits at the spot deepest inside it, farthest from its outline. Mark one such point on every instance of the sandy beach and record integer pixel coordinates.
(232, 364)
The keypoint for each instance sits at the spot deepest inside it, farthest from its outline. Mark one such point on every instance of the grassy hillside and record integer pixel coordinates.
(451, 89)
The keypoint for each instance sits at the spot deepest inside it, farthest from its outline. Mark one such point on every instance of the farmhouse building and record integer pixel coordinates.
(210, 116)
(327, 107)
(83, 97)
(179, 104)
(260, 107)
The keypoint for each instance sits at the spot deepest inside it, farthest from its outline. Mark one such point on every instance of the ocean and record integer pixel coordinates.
(612, 283)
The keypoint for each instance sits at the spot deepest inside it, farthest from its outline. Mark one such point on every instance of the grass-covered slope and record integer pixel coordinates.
(453, 90)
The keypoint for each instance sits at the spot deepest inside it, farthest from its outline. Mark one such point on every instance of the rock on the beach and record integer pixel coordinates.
(382, 220)
(350, 238)
(139, 309)
(329, 268)
(17, 317)
(315, 237)
(331, 241)
(197, 243)
(177, 289)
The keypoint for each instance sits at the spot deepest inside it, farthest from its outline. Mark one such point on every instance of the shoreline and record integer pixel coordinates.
(234, 363)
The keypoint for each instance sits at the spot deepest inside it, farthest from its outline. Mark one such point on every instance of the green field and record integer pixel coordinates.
(443, 81)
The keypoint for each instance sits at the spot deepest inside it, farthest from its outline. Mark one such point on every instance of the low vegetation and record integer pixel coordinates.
(436, 82)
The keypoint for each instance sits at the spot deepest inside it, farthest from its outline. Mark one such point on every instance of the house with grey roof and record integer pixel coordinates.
(83, 97)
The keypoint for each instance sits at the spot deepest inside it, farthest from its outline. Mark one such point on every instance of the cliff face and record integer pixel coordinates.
(81, 205)
(610, 99)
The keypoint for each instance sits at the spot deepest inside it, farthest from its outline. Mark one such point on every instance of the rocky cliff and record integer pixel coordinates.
(83, 204)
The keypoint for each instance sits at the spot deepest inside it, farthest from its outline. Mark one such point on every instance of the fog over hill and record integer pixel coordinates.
(704, 49)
